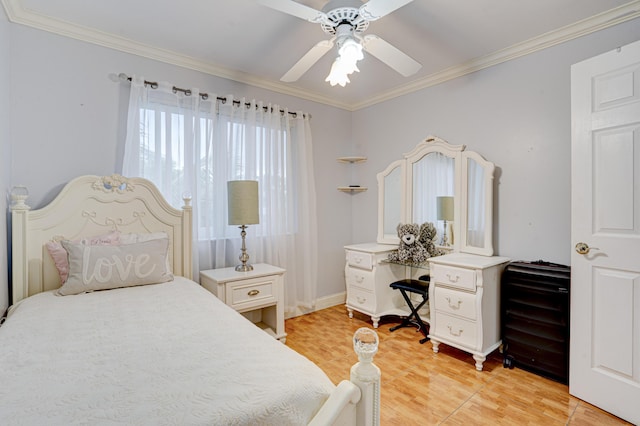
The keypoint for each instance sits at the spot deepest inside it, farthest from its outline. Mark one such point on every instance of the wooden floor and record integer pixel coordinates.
(419, 387)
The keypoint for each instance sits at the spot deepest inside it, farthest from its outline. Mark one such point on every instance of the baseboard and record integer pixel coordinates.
(321, 303)
(332, 300)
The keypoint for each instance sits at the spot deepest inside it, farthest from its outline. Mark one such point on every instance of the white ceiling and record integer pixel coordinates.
(245, 41)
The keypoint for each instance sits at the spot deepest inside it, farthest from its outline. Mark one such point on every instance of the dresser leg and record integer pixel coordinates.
(350, 312)
(435, 345)
(479, 361)
(375, 320)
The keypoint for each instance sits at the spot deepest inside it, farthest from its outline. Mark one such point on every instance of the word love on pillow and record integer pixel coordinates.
(106, 267)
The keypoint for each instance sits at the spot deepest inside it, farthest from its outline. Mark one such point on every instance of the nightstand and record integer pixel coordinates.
(257, 294)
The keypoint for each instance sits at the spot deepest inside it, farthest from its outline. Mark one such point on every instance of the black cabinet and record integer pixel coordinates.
(535, 318)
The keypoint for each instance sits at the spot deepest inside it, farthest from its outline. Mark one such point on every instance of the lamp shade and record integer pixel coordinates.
(243, 202)
(445, 208)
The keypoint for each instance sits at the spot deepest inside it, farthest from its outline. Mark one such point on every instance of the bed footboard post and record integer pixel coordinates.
(366, 375)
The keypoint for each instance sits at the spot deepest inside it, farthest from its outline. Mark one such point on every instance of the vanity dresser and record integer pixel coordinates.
(368, 276)
(465, 300)
(464, 291)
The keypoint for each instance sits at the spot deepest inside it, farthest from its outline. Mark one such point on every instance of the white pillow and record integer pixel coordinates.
(105, 267)
(141, 237)
(145, 236)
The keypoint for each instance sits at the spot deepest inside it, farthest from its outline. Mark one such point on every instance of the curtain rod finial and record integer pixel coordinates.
(116, 78)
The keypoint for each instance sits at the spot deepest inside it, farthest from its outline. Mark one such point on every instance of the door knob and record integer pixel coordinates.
(583, 248)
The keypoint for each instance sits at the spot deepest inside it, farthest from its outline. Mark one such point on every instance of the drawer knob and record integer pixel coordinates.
(357, 259)
(359, 278)
(361, 300)
(253, 292)
(454, 333)
(453, 305)
(454, 278)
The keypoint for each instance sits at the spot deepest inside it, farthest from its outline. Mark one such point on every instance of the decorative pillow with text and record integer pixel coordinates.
(106, 267)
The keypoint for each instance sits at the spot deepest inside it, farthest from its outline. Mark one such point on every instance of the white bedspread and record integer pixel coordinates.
(160, 354)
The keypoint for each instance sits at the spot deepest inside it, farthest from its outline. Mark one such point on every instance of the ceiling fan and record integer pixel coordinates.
(345, 21)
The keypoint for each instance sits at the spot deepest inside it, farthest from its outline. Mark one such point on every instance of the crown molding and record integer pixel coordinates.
(18, 14)
(590, 25)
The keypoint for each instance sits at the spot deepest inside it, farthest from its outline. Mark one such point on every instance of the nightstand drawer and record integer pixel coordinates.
(360, 278)
(360, 259)
(361, 300)
(456, 302)
(454, 277)
(251, 293)
(456, 330)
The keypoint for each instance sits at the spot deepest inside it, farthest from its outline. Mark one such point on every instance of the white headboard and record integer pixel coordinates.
(86, 206)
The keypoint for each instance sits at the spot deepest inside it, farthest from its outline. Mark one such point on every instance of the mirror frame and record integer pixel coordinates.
(401, 165)
(459, 226)
(489, 169)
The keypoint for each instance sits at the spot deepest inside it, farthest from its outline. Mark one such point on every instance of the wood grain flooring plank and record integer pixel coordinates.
(419, 387)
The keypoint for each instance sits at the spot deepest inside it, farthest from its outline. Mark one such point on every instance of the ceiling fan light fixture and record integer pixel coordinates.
(338, 74)
(350, 52)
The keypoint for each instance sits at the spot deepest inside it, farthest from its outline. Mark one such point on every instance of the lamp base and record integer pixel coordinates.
(244, 257)
(445, 239)
(244, 267)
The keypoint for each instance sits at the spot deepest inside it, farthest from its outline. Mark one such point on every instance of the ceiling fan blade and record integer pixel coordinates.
(376, 9)
(390, 55)
(307, 61)
(294, 8)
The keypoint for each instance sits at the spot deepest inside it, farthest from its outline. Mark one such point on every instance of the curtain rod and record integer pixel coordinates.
(205, 96)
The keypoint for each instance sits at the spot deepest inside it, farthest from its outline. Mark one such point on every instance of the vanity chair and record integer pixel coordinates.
(464, 292)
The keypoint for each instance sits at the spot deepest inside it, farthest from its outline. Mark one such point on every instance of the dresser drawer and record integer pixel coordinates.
(360, 259)
(456, 330)
(251, 294)
(361, 300)
(454, 277)
(360, 278)
(456, 302)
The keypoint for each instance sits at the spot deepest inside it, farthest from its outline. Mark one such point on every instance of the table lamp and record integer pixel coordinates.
(445, 213)
(243, 211)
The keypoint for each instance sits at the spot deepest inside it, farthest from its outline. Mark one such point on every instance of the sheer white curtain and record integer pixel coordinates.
(186, 143)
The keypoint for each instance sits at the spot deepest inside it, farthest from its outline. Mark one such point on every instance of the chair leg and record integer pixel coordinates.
(414, 318)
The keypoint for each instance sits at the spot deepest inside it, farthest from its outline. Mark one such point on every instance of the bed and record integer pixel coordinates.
(134, 340)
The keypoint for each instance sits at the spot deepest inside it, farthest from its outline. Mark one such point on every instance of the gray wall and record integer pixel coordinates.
(517, 115)
(66, 122)
(5, 155)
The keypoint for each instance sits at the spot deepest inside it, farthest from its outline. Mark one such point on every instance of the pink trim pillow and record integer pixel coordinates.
(60, 255)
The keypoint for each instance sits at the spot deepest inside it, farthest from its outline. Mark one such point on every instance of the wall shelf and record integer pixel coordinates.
(352, 160)
(352, 188)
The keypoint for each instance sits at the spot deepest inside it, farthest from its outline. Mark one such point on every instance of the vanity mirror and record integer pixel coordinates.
(408, 191)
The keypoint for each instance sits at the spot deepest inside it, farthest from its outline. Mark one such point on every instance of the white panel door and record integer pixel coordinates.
(604, 367)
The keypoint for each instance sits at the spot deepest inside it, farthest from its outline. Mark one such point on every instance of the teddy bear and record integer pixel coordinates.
(410, 249)
(428, 234)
